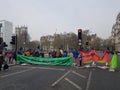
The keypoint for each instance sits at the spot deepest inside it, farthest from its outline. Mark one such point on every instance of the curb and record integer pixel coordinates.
(12, 65)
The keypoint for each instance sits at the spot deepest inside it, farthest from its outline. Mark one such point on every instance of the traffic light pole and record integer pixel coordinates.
(80, 39)
(16, 44)
(80, 45)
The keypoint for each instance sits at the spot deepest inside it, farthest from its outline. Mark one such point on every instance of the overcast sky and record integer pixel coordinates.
(43, 17)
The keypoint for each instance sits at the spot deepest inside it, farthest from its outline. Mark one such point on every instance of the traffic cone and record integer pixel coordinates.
(113, 63)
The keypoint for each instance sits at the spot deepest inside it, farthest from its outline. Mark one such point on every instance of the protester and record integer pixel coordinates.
(1, 60)
(14, 56)
(9, 56)
(65, 53)
(80, 58)
(36, 54)
(42, 54)
(62, 52)
(69, 54)
(27, 53)
(50, 53)
(54, 54)
(58, 54)
(75, 56)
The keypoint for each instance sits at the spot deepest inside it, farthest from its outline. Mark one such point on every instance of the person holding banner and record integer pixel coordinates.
(80, 58)
(75, 56)
(27, 53)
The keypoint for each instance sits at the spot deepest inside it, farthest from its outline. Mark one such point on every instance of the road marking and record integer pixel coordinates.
(89, 80)
(56, 82)
(51, 68)
(78, 67)
(16, 73)
(47, 68)
(78, 74)
(78, 87)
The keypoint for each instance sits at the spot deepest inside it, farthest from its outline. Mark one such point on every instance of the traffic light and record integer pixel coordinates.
(79, 33)
(87, 43)
(1, 44)
(80, 36)
(4, 44)
(1, 40)
(13, 40)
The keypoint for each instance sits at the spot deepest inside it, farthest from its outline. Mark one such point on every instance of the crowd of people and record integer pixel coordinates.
(10, 57)
(7, 58)
(77, 58)
(50, 54)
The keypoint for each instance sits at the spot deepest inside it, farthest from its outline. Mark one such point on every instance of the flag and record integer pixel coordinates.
(106, 57)
(113, 63)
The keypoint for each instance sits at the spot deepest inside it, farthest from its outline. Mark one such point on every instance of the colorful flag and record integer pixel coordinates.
(113, 63)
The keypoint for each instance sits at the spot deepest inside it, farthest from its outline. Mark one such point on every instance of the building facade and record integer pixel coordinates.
(21, 29)
(22, 36)
(116, 33)
(6, 32)
(46, 42)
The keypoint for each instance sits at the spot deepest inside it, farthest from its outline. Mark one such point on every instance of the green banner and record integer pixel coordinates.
(63, 61)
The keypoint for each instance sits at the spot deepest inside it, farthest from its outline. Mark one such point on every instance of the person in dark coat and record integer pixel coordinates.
(1, 60)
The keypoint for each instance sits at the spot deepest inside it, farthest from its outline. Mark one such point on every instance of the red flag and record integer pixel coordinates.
(106, 57)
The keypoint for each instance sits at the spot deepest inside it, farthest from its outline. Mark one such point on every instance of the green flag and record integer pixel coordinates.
(113, 63)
